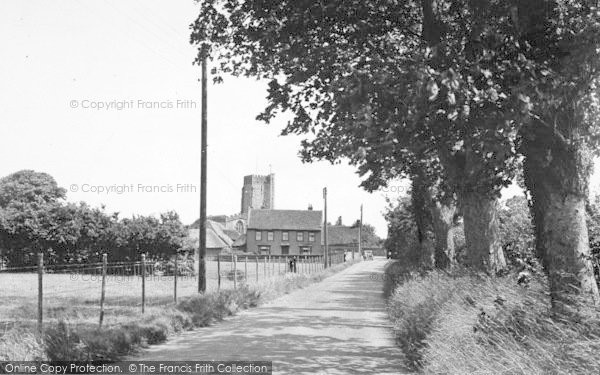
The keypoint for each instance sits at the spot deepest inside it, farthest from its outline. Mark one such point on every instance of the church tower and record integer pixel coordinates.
(258, 192)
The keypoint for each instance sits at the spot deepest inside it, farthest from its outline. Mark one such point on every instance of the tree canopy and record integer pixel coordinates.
(387, 84)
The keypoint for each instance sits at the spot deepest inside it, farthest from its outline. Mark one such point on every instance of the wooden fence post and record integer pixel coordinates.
(40, 293)
(246, 268)
(286, 265)
(256, 259)
(103, 290)
(218, 272)
(279, 264)
(143, 283)
(234, 259)
(175, 278)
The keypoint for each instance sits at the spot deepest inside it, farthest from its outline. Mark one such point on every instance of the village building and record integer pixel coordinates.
(343, 238)
(284, 232)
(217, 239)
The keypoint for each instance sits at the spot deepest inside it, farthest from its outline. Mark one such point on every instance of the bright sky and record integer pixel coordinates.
(61, 58)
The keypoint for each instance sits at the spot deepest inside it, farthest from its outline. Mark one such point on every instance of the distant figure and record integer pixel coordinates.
(293, 264)
(345, 253)
(295, 260)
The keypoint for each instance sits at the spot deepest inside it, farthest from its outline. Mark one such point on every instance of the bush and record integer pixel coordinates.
(516, 233)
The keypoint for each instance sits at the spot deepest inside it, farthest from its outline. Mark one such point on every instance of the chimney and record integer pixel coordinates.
(310, 207)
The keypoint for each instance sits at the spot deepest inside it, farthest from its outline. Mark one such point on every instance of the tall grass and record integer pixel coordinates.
(78, 337)
(461, 323)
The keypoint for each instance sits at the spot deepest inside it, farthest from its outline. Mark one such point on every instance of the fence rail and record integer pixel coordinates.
(105, 287)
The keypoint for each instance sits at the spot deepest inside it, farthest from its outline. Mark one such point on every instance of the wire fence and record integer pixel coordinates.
(33, 295)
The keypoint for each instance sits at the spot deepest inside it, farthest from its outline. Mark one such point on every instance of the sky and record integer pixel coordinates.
(103, 96)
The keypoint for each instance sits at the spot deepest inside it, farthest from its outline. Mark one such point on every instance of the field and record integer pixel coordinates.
(76, 295)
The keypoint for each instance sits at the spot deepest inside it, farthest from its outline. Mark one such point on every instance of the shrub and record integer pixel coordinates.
(516, 233)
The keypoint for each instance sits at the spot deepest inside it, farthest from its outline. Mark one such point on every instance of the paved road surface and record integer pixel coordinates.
(338, 326)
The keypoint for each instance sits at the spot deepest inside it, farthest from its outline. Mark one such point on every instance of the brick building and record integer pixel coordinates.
(284, 232)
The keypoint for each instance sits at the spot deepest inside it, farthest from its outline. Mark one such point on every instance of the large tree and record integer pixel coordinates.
(29, 187)
(561, 42)
(30, 208)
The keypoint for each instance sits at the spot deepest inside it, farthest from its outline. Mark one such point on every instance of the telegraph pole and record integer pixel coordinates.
(325, 240)
(203, 144)
(360, 232)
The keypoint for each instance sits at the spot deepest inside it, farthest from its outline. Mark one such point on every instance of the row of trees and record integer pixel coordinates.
(459, 96)
(516, 234)
(34, 217)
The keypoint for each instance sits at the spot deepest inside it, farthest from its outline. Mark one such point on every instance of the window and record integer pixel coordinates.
(311, 237)
(239, 227)
(264, 250)
(299, 236)
(269, 236)
(305, 250)
(285, 249)
(258, 236)
(285, 236)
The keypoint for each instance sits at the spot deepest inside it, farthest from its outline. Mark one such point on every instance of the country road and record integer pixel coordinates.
(337, 326)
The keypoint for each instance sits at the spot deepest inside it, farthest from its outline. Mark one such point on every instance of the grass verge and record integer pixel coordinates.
(78, 338)
(461, 323)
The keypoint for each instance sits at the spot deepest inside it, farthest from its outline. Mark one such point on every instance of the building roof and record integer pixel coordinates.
(240, 242)
(215, 235)
(233, 234)
(285, 219)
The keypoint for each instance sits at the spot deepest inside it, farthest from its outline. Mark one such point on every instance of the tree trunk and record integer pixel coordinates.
(557, 176)
(419, 202)
(483, 248)
(442, 217)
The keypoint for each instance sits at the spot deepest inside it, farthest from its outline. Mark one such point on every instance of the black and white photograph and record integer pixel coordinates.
(300, 187)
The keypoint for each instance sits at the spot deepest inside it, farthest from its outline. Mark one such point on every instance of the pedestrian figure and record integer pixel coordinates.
(294, 265)
(291, 264)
